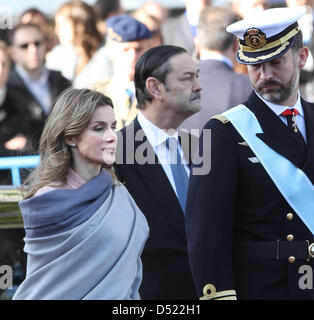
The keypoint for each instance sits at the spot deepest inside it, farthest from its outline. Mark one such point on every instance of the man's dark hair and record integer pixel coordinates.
(211, 28)
(153, 63)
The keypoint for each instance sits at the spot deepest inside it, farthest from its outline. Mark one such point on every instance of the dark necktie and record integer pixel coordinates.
(180, 176)
(290, 115)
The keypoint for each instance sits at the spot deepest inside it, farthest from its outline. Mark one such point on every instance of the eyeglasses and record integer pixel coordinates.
(25, 46)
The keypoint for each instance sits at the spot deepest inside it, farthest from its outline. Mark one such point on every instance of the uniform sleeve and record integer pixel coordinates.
(209, 214)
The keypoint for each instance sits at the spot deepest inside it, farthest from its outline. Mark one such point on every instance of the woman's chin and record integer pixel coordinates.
(109, 160)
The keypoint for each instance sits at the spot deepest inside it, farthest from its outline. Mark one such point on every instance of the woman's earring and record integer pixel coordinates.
(73, 144)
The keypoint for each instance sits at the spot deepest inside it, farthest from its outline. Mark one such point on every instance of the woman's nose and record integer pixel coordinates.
(110, 135)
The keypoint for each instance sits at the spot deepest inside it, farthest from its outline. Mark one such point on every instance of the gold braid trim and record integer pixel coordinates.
(221, 118)
(210, 293)
(267, 56)
(275, 43)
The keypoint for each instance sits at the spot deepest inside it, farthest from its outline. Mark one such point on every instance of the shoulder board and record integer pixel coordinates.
(221, 118)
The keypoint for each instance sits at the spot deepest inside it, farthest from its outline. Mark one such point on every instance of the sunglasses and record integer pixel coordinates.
(25, 46)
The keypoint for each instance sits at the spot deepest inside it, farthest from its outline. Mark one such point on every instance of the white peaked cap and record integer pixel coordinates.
(266, 35)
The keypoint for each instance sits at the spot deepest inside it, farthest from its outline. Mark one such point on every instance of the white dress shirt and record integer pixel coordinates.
(157, 138)
(278, 109)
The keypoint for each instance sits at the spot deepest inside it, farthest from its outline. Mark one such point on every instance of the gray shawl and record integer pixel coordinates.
(83, 244)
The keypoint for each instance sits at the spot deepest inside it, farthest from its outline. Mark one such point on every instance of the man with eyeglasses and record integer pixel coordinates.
(30, 91)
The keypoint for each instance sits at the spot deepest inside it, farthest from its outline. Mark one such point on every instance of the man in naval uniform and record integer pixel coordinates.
(250, 220)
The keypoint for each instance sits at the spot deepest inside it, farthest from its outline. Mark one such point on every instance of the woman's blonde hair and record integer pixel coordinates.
(70, 115)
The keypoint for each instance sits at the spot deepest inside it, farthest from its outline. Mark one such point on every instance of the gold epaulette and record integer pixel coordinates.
(221, 118)
(210, 293)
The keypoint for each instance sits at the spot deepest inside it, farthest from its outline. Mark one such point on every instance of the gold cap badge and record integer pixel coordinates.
(255, 38)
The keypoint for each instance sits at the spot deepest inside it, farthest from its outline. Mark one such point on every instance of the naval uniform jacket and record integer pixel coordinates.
(166, 270)
(238, 203)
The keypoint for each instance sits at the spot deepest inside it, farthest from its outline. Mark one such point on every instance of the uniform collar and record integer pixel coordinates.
(279, 109)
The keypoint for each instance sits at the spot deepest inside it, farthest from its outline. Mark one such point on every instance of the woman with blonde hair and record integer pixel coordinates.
(81, 55)
(84, 232)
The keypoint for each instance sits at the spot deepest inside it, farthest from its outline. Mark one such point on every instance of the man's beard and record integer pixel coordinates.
(279, 94)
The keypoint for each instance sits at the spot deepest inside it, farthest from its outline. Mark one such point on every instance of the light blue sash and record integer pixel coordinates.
(292, 182)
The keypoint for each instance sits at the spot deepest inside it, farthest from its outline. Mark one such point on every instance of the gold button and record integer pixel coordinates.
(291, 259)
(311, 250)
(289, 216)
(290, 237)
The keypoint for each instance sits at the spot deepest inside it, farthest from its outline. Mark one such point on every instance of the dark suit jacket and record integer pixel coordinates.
(23, 113)
(237, 202)
(166, 271)
(222, 89)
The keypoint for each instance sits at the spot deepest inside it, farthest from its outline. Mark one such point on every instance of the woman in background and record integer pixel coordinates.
(84, 232)
(81, 55)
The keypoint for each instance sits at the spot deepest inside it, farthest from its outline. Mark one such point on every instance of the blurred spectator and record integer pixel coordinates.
(11, 240)
(306, 24)
(153, 15)
(156, 10)
(4, 70)
(245, 8)
(104, 9)
(222, 87)
(30, 91)
(35, 16)
(5, 176)
(81, 55)
(4, 35)
(127, 40)
(181, 30)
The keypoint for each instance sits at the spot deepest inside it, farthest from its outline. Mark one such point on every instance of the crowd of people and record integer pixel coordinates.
(176, 151)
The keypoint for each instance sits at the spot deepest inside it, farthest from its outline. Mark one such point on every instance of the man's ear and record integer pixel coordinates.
(153, 86)
(303, 55)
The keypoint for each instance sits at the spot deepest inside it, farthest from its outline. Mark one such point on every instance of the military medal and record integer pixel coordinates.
(295, 128)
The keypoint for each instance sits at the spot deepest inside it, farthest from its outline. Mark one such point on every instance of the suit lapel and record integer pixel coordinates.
(17, 82)
(275, 133)
(155, 179)
(53, 87)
